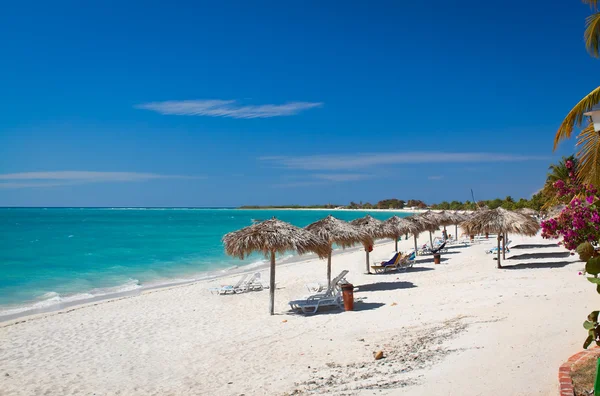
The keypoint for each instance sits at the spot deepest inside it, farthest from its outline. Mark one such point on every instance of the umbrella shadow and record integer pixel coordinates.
(430, 260)
(539, 255)
(358, 306)
(555, 264)
(382, 286)
(419, 269)
(535, 246)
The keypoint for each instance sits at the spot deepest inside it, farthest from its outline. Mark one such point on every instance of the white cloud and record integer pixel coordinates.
(435, 177)
(227, 108)
(65, 178)
(365, 160)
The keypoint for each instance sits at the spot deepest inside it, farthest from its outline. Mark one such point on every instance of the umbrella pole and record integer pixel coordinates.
(396, 242)
(431, 239)
(445, 233)
(416, 250)
(456, 232)
(499, 264)
(272, 285)
(504, 247)
(329, 268)
(367, 250)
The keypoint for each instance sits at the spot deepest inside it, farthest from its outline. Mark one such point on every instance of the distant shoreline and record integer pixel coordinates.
(348, 210)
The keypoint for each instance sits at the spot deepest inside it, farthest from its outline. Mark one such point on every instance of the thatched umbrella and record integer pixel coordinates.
(527, 211)
(458, 218)
(417, 227)
(339, 232)
(429, 221)
(373, 228)
(501, 221)
(395, 227)
(271, 237)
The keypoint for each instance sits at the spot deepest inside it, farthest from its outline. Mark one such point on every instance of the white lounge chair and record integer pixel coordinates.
(239, 287)
(316, 287)
(255, 283)
(332, 297)
(495, 248)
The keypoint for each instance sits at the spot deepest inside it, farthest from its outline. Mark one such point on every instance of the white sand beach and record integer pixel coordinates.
(462, 327)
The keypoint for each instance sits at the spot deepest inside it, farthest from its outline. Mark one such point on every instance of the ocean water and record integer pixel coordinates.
(53, 256)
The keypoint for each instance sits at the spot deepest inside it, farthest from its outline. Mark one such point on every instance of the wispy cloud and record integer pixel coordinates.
(227, 108)
(366, 160)
(435, 177)
(65, 178)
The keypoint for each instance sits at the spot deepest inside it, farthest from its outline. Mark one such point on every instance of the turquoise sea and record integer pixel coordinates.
(54, 256)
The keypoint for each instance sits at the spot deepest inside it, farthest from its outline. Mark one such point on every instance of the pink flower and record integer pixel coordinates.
(569, 164)
(590, 199)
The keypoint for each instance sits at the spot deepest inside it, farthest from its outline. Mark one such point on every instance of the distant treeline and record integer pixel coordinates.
(536, 203)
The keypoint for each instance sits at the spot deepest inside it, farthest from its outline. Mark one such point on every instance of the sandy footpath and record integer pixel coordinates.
(459, 328)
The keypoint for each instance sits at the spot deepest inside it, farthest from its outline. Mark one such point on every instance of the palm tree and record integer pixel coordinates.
(588, 140)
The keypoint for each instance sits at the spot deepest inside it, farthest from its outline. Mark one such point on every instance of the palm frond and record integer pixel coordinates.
(592, 34)
(575, 116)
(589, 155)
(593, 3)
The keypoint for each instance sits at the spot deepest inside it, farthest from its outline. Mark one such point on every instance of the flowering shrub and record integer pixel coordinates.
(579, 222)
(579, 226)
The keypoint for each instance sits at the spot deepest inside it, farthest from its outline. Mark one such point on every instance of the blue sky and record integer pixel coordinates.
(229, 103)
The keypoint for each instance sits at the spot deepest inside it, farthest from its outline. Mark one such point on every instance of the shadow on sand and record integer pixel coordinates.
(381, 286)
(358, 306)
(430, 260)
(535, 246)
(556, 264)
(539, 255)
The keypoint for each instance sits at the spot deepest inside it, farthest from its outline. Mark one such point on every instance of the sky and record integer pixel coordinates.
(194, 103)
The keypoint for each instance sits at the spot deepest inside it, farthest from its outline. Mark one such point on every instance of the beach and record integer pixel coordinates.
(462, 327)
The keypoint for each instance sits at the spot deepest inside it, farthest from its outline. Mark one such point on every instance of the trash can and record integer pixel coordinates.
(437, 258)
(348, 296)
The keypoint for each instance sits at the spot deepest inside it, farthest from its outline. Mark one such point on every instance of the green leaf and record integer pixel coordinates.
(588, 341)
(588, 325)
(594, 280)
(598, 289)
(593, 316)
(586, 251)
(593, 266)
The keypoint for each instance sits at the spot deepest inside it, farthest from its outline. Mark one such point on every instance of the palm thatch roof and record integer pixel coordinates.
(339, 232)
(373, 227)
(527, 211)
(428, 221)
(274, 236)
(395, 226)
(500, 221)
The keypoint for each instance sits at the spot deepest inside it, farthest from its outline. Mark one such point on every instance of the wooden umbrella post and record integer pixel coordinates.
(329, 268)
(368, 268)
(396, 243)
(430, 239)
(272, 285)
(416, 249)
(504, 247)
(499, 264)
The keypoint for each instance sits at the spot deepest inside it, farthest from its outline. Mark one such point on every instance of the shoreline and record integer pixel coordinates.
(433, 322)
(27, 311)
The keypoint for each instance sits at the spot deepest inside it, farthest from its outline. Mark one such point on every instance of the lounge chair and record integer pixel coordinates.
(390, 265)
(239, 287)
(332, 297)
(316, 287)
(255, 283)
(495, 248)
(426, 249)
